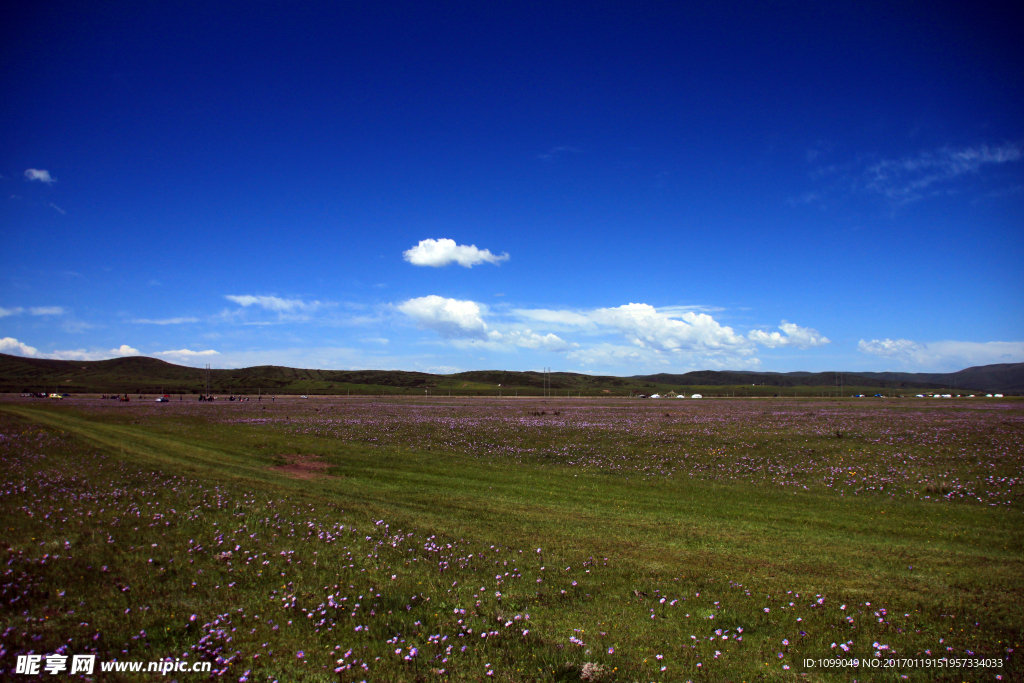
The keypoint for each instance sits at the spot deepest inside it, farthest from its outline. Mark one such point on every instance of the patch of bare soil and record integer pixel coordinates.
(303, 467)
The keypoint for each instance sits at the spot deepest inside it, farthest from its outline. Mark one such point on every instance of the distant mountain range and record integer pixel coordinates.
(1002, 378)
(150, 375)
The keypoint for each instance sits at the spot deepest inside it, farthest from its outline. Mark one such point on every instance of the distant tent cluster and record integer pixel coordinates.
(957, 396)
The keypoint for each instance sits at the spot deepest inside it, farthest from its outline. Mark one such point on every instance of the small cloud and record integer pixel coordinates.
(531, 340)
(154, 283)
(949, 354)
(272, 303)
(187, 354)
(56, 208)
(77, 354)
(13, 346)
(437, 253)
(40, 175)
(645, 326)
(891, 348)
(794, 335)
(124, 350)
(46, 310)
(679, 310)
(544, 315)
(905, 180)
(165, 321)
(4, 312)
(76, 326)
(287, 309)
(556, 152)
(451, 318)
(442, 369)
(82, 354)
(376, 340)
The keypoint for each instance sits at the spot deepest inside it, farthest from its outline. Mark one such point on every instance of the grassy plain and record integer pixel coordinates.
(516, 540)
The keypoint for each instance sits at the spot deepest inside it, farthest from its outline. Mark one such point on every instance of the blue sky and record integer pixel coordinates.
(615, 188)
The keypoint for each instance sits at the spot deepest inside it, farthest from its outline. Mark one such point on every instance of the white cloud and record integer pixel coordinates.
(635, 359)
(644, 326)
(904, 180)
(531, 340)
(274, 303)
(14, 347)
(442, 369)
(4, 312)
(46, 310)
(891, 348)
(77, 354)
(166, 321)
(124, 350)
(658, 336)
(40, 175)
(186, 354)
(77, 326)
(437, 253)
(376, 340)
(800, 337)
(616, 355)
(459, 320)
(944, 355)
(451, 318)
(56, 208)
(83, 354)
(565, 318)
(676, 311)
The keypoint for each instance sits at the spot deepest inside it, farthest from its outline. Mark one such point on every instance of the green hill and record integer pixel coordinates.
(137, 375)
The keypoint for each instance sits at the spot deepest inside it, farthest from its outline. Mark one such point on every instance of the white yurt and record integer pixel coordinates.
(696, 396)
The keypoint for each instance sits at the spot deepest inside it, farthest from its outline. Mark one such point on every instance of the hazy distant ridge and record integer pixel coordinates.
(149, 375)
(1002, 377)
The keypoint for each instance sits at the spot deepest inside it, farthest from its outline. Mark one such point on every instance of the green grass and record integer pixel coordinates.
(947, 574)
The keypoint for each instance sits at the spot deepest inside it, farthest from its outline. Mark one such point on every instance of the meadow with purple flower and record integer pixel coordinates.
(515, 540)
